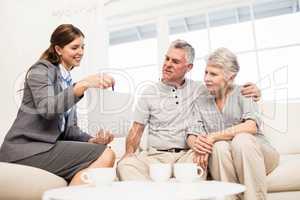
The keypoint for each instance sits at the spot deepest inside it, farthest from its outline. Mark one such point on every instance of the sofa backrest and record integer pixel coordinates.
(281, 125)
(109, 110)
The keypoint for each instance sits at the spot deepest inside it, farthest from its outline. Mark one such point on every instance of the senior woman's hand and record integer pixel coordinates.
(202, 145)
(102, 137)
(201, 160)
(251, 90)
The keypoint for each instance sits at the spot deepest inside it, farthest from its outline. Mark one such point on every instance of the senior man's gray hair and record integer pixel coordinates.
(225, 59)
(189, 49)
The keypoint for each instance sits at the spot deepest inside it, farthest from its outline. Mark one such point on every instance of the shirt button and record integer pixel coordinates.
(177, 102)
(173, 90)
(176, 97)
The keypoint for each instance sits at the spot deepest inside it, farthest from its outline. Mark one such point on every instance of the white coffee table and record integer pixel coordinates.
(137, 190)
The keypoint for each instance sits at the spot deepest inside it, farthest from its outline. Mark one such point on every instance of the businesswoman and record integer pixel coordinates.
(231, 142)
(45, 132)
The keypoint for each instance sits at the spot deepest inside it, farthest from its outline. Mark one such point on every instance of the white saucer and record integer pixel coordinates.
(197, 179)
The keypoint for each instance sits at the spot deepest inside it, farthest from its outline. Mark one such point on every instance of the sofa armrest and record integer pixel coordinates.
(24, 182)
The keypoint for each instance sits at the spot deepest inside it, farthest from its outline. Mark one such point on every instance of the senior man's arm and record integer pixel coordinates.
(133, 138)
(251, 90)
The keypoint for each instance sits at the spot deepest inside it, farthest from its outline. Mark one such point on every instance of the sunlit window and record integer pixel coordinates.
(280, 71)
(278, 30)
(236, 37)
(199, 40)
(133, 63)
(249, 71)
(267, 48)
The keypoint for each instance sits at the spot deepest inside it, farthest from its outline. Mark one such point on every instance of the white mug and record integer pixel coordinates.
(98, 176)
(188, 172)
(160, 171)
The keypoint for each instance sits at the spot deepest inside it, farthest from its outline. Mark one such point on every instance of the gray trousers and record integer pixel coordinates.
(246, 159)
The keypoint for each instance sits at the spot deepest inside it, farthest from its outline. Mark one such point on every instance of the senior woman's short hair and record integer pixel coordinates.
(225, 59)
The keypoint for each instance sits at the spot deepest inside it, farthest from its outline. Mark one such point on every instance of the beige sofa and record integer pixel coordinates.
(281, 126)
(18, 182)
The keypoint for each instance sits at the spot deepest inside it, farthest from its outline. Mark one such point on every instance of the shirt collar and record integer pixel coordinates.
(167, 86)
(64, 72)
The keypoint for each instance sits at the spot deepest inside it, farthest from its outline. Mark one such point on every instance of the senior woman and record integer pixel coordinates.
(45, 132)
(230, 142)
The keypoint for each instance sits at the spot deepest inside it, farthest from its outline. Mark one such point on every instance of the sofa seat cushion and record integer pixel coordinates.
(24, 182)
(285, 177)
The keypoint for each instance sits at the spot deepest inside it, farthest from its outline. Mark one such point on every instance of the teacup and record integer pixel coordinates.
(188, 172)
(99, 176)
(160, 171)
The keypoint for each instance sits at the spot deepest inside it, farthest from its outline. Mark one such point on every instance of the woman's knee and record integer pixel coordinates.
(108, 157)
(220, 155)
(221, 152)
(220, 147)
(243, 142)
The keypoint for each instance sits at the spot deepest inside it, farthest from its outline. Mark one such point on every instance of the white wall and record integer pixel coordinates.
(26, 27)
(119, 13)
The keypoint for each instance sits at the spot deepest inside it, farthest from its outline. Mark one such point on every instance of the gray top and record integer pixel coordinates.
(167, 110)
(36, 127)
(208, 118)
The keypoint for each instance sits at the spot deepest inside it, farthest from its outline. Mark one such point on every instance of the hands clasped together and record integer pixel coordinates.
(202, 147)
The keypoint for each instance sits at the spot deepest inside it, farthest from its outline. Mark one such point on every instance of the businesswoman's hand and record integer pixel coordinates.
(101, 81)
(102, 137)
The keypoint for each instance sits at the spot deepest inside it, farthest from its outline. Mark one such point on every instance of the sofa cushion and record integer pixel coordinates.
(292, 195)
(281, 125)
(285, 177)
(24, 182)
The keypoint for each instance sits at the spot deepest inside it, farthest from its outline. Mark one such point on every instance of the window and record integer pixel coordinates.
(197, 73)
(198, 39)
(133, 63)
(249, 71)
(278, 31)
(279, 69)
(236, 37)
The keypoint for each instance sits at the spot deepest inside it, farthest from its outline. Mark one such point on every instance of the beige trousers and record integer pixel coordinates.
(137, 167)
(247, 160)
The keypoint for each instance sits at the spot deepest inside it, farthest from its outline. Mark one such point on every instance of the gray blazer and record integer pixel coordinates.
(36, 127)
